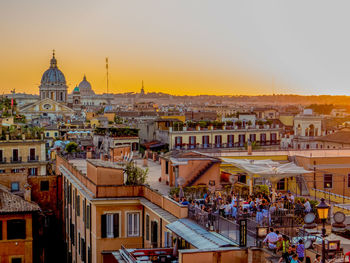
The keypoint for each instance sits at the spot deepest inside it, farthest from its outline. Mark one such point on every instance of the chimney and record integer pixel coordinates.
(27, 192)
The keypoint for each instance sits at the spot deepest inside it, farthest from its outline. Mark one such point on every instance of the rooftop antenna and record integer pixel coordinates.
(107, 73)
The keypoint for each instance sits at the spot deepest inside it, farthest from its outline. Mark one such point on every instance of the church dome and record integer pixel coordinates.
(85, 88)
(76, 90)
(53, 76)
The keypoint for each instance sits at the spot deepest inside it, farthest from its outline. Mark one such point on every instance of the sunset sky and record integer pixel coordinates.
(179, 47)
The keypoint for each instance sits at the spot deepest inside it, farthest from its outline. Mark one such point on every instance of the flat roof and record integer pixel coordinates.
(105, 164)
(81, 164)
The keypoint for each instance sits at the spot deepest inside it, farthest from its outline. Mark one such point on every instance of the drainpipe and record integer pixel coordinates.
(143, 228)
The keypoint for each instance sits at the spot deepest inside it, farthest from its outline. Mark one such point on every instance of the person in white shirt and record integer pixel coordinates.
(271, 239)
(291, 197)
(307, 206)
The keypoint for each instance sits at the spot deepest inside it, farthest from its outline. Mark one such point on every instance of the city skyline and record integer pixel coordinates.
(179, 48)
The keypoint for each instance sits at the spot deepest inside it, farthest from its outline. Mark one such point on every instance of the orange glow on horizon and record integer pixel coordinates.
(126, 76)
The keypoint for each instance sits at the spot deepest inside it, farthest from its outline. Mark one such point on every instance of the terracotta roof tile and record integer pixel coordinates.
(11, 203)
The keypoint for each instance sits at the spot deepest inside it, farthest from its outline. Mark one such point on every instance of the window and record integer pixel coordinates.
(20, 170)
(133, 224)
(218, 140)
(47, 134)
(2, 171)
(262, 138)
(154, 233)
(167, 239)
(280, 184)
(241, 139)
(328, 180)
(252, 137)
(1, 156)
(33, 171)
(14, 186)
(178, 142)
(88, 215)
(0, 230)
(110, 225)
(15, 155)
(56, 134)
(348, 180)
(44, 186)
(205, 141)
(147, 227)
(16, 229)
(192, 142)
(32, 154)
(166, 167)
(273, 137)
(84, 210)
(77, 205)
(230, 140)
(83, 249)
(16, 260)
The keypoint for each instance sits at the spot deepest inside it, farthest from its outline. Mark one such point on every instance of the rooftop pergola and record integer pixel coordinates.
(268, 169)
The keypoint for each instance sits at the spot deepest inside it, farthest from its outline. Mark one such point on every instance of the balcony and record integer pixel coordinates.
(16, 160)
(33, 158)
(3, 160)
(185, 146)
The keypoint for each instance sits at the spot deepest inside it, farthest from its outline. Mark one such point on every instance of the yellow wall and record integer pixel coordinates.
(110, 116)
(287, 119)
(180, 118)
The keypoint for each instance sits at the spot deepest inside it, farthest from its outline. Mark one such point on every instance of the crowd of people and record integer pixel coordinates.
(260, 206)
(263, 209)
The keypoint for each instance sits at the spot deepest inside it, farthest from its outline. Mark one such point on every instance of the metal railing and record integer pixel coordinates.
(16, 160)
(32, 158)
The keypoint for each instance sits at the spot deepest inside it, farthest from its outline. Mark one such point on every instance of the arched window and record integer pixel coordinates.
(311, 130)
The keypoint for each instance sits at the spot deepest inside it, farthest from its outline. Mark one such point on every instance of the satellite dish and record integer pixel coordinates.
(180, 181)
(309, 218)
(232, 179)
(339, 217)
(308, 243)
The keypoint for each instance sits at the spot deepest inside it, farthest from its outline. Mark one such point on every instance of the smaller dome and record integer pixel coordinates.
(85, 88)
(76, 90)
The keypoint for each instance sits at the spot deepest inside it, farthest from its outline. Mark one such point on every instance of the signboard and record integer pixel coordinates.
(243, 232)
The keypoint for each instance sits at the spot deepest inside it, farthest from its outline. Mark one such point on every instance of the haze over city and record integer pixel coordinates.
(179, 47)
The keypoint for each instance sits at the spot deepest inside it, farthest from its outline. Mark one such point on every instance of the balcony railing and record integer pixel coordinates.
(185, 146)
(16, 160)
(3, 160)
(34, 158)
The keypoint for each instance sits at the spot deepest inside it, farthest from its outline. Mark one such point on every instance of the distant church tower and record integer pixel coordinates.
(142, 92)
(53, 83)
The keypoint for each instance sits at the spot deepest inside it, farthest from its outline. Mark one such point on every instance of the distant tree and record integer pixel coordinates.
(321, 108)
(71, 147)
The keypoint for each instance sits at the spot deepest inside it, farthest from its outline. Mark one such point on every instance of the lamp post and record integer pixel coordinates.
(322, 210)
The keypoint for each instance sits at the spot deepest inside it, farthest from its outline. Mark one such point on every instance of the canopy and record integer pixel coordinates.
(271, 170)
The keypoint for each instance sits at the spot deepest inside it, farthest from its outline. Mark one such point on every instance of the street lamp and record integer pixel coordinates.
(322, 210)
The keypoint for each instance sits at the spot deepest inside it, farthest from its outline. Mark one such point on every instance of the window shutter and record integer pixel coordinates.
(103, 226)
(116, 225)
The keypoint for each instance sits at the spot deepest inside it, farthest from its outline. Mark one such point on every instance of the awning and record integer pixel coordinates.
(271, 170)
(197, 235)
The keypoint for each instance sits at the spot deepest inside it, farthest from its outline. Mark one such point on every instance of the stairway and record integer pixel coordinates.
(200, 173)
